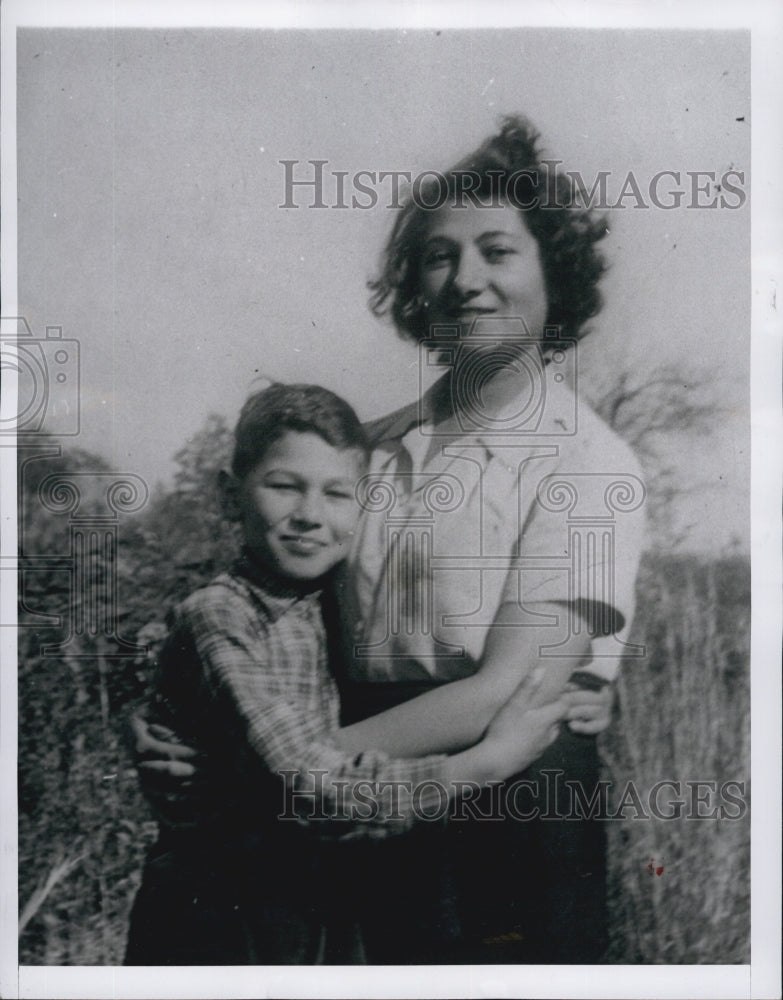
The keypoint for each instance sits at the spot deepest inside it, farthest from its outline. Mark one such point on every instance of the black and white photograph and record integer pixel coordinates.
(390, 425)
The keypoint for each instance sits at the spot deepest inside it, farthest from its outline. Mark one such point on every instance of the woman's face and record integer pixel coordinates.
(481, 262)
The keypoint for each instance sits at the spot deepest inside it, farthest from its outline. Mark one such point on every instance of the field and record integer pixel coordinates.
(679, 886)
(684, 716)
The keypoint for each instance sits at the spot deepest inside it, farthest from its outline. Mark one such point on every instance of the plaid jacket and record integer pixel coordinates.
(244, 677)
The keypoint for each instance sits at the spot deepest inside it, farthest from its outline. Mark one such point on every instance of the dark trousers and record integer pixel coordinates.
(517, 876)
(534, 889)
(259, 900)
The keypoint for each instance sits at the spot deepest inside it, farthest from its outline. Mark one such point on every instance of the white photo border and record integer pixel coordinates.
(761, 978)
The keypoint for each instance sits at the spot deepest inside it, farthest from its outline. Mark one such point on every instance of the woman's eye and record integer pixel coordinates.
(435, 257)
(282, 486)
(497, 252)
(340, 494)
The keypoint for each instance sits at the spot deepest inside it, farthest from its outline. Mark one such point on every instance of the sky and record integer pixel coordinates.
(150, 227)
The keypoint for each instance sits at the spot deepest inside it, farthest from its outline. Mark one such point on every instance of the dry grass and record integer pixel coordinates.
(684, 715)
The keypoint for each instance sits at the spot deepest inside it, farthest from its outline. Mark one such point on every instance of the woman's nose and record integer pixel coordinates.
(470, 276)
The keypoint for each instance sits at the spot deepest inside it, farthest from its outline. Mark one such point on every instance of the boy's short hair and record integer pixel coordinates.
(308, 409)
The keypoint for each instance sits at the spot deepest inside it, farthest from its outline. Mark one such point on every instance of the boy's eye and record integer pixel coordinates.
(339, 493)
(282, 486)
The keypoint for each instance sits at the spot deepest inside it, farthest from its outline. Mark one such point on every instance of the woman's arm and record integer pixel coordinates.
(455, 715)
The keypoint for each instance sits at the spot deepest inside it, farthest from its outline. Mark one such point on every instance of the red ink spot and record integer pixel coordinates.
(659, 871)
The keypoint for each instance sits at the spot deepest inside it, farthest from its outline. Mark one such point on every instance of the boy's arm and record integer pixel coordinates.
(456, 714)
(276, 720)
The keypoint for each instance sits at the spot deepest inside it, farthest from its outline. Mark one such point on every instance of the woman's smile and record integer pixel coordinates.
(470, 313)
(482, 262)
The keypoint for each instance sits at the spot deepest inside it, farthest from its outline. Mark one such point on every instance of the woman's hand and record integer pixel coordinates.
(588, 712)
(158, 750)
(168, 771)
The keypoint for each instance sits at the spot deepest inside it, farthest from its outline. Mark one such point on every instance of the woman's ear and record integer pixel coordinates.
(228, 486)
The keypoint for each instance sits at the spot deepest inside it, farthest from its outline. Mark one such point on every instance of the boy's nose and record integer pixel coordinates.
(308, 511)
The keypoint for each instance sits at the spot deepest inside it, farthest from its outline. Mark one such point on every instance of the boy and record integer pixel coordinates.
(244, 679)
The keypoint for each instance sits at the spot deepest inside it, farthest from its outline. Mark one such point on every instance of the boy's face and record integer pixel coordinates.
(297, 505)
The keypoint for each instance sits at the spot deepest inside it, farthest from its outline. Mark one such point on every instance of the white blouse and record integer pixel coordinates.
(544, 505)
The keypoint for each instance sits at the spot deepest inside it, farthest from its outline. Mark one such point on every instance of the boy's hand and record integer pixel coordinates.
(524, 727)
(588, 711)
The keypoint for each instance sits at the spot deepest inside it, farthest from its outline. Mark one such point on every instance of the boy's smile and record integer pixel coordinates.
(297, 505)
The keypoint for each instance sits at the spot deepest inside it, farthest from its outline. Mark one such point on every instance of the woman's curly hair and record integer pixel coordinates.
(505, 165)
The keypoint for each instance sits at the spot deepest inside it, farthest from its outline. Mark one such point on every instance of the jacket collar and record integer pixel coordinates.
(277, 594)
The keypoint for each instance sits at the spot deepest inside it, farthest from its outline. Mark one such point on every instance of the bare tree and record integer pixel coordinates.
(656, 412)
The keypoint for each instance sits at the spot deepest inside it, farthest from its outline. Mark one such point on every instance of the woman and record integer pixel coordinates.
(502, 531)
(501, 535)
